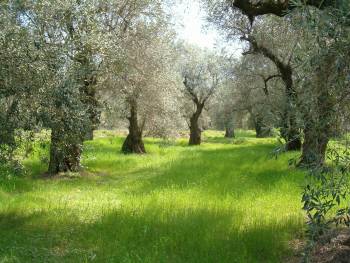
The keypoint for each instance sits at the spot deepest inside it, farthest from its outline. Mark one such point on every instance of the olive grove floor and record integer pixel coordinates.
(224, 201)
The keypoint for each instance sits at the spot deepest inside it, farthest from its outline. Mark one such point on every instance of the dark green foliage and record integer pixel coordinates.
(68, 123)
(325, 197)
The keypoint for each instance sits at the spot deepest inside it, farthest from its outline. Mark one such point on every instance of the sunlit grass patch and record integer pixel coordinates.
(218, 202)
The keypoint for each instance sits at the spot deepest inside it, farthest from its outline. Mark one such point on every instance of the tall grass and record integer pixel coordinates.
(224, 201)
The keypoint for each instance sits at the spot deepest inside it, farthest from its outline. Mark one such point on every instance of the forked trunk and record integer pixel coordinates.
(289, 130)
(133, 142)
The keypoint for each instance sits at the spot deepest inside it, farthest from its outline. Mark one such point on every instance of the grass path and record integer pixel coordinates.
(225, 201)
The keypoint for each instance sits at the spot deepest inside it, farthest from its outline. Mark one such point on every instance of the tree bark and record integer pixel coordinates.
(64, 156)
(319, 122)
(314, 147)
(253, 9)
(291, 135)
(88, 97)
(261, 130)
(229, 132)
(289, 129)
(89, 134)
(195, 130)
(133, 142)
(229, 124)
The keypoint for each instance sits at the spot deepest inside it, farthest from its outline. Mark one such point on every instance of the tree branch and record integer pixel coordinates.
(280, 8)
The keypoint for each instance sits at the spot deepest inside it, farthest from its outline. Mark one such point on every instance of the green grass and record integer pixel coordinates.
(224, 201)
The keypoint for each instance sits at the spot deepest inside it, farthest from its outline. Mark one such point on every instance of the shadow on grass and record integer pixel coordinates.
(150, 234)
(219, 139)
(233, 171)
(236, 170)
(148, 229)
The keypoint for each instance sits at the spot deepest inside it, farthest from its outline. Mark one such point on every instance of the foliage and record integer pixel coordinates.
(54, 53)
(202, 73)
(325, 197)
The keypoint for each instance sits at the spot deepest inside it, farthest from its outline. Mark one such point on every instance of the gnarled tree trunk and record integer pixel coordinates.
(261, 130)
(289, 130)
(133, 142)
(277, 7)
(229, 125)
(314, 147)
(88, 97)
(195, 130)
(64, 155)
(229, 132)
(319, 121)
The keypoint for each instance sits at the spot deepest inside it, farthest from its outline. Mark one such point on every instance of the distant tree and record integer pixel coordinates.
(142, 78)
(223, 108)
(201, 78)
(254, 96)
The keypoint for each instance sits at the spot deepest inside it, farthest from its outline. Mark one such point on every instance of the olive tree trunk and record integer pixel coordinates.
(229, 125)
(133, 142)
(320, 120)
(195, 130)
(229, 132)
(260, 128)
(64, 155)
(88, 93)
(314, 147)
(289, 130)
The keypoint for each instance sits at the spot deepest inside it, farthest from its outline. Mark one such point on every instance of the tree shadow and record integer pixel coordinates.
(235, 171)
(150, 234)
(155, 230)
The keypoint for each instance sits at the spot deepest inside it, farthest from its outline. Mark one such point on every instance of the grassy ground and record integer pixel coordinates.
(224, 201)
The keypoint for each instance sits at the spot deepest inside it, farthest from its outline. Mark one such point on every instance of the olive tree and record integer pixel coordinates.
(73, 40)
(201, 77)
(141, 77)
(223, 109)
(332, 33)
(59, 30)
(19, 80)
(274, 39)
